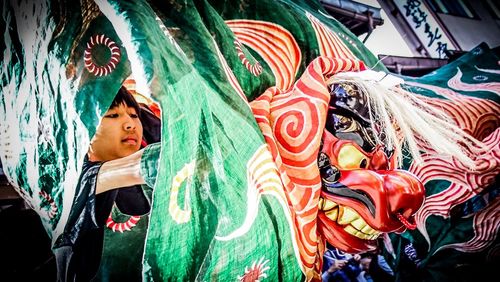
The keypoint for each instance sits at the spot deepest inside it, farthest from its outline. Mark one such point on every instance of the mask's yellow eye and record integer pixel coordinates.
(351, 158)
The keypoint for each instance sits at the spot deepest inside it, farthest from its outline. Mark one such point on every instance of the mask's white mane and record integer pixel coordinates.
(403, 118)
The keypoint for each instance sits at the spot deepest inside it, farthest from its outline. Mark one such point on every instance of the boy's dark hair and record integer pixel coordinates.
(125, 97)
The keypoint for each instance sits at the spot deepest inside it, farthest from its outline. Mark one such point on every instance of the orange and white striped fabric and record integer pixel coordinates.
(274, 44)
(330, 44)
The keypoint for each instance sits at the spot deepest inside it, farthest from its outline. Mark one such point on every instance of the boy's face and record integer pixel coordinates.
(119, 134)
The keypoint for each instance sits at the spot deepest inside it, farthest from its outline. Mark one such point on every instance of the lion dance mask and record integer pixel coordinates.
(337, 162)
(363, 195)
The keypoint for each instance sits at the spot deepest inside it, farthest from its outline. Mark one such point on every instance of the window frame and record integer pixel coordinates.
(443, 7)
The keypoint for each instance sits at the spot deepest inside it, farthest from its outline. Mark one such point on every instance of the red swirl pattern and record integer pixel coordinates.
(475, 116)
(113, 61)
(465, 184)
(486, 225)
(122, 226)
(255, 69)
(291, 122)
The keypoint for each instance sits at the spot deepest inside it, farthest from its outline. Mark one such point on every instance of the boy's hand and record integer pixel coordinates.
(337, 264)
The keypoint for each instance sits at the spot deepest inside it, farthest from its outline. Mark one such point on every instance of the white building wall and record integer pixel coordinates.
(468, 33)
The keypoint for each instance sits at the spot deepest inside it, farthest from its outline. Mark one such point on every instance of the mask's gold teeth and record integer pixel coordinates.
(332, 214)
(351, 230)
(355, 232)
(353, 223)
(325, 204)
(359, 224)
(347, 215)
(329, 205)
(368, 230)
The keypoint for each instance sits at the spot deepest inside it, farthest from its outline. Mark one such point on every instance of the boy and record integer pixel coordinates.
(113, 161)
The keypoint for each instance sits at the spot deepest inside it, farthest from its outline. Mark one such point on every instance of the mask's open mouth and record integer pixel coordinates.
(350, 221)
